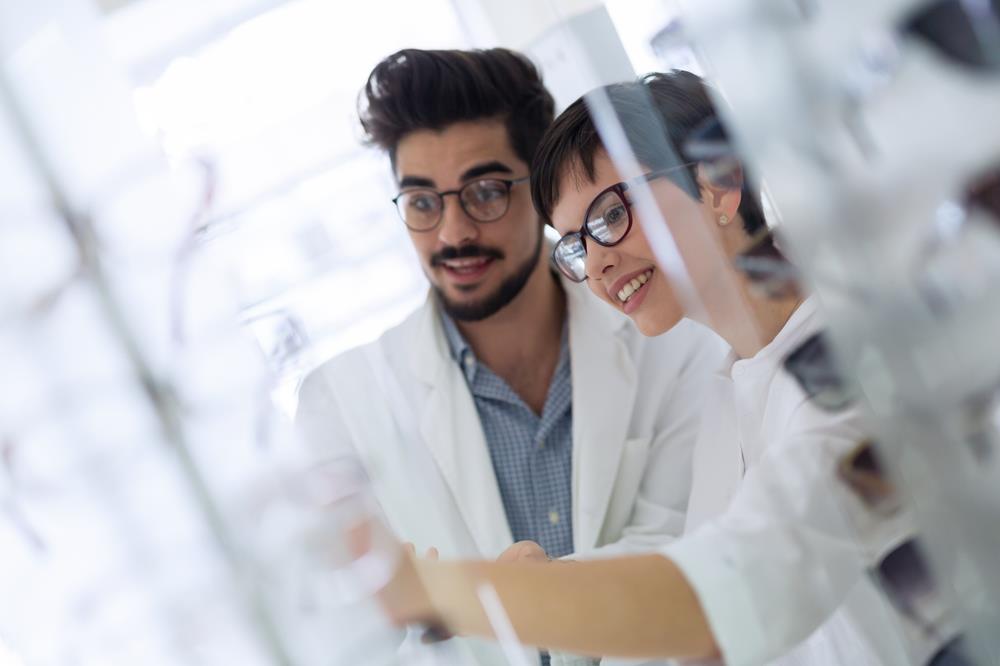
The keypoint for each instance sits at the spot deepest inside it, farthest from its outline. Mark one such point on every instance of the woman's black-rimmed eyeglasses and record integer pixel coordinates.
(484, 200)
(607, 222)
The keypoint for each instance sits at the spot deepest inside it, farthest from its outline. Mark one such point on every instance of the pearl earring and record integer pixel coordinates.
(723, 220)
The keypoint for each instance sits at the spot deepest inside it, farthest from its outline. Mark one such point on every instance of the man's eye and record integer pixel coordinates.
(488, 194)
(422, 203)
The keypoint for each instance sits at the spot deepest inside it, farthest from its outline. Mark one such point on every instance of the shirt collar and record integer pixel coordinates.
(461, 353)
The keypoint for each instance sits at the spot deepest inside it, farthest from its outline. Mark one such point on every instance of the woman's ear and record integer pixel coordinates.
(721, 190)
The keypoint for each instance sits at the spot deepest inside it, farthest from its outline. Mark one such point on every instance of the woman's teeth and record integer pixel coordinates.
(632, 286)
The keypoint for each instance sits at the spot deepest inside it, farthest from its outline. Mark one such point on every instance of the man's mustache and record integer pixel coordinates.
(464, 252)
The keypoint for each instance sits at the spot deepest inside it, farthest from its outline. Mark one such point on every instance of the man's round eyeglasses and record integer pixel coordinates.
(484, 200)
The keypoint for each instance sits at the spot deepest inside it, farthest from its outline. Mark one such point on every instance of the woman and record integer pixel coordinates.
(773, 562)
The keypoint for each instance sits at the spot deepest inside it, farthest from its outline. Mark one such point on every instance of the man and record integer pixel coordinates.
(511, 406)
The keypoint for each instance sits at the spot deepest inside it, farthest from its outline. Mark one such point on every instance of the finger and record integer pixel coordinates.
(432, 553)
(411, 550)
(513, 552)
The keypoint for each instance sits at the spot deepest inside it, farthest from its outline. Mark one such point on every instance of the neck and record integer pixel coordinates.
(535, 315)
(749, 322)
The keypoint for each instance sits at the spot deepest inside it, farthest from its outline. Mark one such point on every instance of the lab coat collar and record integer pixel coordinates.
(604, 392)
(453, 433)
(430, 336)
(802, 322)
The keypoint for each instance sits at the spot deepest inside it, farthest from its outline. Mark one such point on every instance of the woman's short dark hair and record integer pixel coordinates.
(660, 140)
(415, 89)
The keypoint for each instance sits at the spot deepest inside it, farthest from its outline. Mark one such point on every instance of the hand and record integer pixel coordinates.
(524, 551)
(434, 633)
(431, 554)
(403, 597)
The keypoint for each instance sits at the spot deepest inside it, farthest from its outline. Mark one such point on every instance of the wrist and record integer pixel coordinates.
(452, 595)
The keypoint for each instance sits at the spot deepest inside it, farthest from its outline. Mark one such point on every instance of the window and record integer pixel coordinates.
(300, 211)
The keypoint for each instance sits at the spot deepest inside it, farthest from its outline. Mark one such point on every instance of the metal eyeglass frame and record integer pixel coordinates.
(507, 182)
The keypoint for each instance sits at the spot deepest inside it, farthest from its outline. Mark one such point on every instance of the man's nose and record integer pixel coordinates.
(456, 228)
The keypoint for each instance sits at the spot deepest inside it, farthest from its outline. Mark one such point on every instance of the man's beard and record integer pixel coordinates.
(493, 303)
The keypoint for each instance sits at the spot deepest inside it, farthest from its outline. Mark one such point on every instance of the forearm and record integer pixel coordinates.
(630, 607)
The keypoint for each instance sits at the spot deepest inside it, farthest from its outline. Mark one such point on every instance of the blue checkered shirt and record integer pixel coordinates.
(532, 456)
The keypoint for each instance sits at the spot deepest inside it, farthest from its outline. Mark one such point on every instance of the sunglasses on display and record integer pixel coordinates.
(965, 33)
(984, 195)
(980, 427)
(709, 145)
(812, 366)
(861, 470)
(769, 272)
(904, 574)
(953, 653)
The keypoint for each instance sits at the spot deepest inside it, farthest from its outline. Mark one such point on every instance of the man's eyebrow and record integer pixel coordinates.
(415, 181)
(485, 168)
(493, 166)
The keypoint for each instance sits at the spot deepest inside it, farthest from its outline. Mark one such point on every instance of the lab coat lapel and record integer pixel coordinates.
(604, 391)
(450, 427)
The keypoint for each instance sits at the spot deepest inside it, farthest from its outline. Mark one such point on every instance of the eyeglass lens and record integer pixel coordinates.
(483, 200)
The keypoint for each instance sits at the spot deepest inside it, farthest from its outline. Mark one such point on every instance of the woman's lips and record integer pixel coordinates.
(629, 290)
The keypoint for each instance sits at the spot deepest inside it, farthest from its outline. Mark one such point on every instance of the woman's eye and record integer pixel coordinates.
(615, 215)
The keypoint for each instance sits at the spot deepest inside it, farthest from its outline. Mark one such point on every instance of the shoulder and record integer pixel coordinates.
(686, 348)
(393, 345)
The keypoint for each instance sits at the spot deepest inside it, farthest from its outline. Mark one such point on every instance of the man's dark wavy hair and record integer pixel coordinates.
(415, 89)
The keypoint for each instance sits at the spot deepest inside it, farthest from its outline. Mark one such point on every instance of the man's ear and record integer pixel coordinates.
(721, 188)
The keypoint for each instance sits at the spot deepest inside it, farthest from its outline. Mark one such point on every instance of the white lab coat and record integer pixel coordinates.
(776, 547)
(403, 407)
